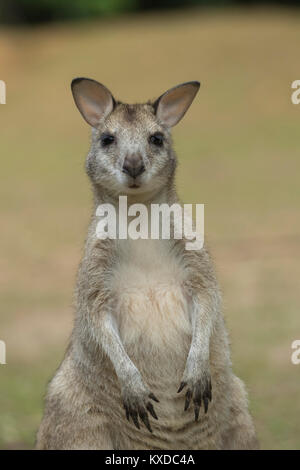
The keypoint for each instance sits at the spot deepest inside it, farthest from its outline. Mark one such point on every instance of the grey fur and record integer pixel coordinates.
(148, 319)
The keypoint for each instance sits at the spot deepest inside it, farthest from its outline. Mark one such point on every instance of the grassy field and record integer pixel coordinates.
(238, 149)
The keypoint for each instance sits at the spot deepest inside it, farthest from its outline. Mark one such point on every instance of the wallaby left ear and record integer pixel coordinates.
(93, 100)
(174, 103)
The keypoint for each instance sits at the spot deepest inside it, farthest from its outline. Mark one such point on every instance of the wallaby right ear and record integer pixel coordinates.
(93, 100)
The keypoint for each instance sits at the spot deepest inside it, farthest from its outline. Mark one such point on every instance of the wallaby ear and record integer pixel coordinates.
(93, 99)
(174, 103)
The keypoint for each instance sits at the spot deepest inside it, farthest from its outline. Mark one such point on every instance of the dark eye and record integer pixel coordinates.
(157, 139)
(106, 139)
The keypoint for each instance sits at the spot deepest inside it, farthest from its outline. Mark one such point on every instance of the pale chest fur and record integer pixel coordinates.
(152, 311)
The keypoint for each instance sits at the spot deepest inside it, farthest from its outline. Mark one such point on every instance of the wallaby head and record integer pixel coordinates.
(131, 151)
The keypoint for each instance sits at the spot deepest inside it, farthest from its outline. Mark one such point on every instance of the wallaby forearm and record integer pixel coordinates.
(203, 296)
(202, 325)
(196, 375)
(135, 393)
(112, 345)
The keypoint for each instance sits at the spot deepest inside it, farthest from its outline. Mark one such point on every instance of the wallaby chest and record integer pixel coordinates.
(151, 305)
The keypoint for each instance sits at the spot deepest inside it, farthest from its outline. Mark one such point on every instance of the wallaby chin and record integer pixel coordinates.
(148, 365)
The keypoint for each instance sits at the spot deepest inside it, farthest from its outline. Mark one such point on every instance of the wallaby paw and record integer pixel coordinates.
(137, 406)
(198, 390)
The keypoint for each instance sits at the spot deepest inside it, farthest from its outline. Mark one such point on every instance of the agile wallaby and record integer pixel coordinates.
(148, 321)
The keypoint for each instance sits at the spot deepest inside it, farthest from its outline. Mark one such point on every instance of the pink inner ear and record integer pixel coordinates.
(174, 104)
(93, 111)
(93, 100)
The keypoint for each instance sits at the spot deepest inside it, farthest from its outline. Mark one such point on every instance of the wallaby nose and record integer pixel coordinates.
(133, 165)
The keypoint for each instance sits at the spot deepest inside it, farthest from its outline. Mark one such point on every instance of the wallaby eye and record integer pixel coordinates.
(106, 139)
(157, 139)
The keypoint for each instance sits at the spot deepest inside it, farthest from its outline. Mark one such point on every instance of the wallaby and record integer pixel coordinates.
(148, 321)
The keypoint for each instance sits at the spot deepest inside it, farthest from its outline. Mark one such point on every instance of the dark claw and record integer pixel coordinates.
(144, 417)
(181, 386)
(205, 401)
(188, 397)
(153, 397)
(127, 412)
(197, 410)
(151, 410)
(197, 401)
(134, 416)
(209, 395)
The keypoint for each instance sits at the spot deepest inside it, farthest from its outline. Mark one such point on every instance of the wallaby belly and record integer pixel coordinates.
(152, 311)
(154, 326)
(158, 315)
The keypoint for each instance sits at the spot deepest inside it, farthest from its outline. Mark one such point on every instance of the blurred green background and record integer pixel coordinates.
(238, 150)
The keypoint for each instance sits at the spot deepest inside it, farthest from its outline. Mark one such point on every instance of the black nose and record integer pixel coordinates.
(133, 165)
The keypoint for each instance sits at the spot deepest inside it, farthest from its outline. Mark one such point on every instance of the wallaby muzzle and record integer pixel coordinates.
(133, 165)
